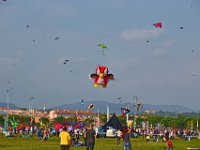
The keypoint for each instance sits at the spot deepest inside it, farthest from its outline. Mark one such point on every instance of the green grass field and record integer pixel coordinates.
(19, 143)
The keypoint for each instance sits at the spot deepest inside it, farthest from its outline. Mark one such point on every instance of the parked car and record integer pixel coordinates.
(99, 132)
(111, 132)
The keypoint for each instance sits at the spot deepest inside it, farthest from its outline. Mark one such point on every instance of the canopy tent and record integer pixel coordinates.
(113, 122)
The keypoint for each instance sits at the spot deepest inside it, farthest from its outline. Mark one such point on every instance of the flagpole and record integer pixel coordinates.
(107, 113)
(98, 117)
(8, 90)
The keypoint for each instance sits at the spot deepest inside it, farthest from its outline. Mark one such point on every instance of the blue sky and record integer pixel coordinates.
(163, 71)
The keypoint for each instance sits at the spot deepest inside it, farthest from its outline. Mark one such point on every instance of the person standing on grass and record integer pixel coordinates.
(169, 144)
(90, 136)
(126, 135)
(64, 139)
(119, 135)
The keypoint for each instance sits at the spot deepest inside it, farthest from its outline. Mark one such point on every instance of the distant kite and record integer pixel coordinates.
(91, 106)
(158, 25)
(124, 111)
(181, 28)
(56, 38)
(82, 102)
(27, 26)
(101, 77)
(66, 60)
(102, 46)
(119, 99)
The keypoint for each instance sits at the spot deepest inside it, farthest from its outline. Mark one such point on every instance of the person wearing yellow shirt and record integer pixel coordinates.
(64, 139)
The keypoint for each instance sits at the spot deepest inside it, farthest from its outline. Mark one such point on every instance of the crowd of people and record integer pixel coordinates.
(123, 136)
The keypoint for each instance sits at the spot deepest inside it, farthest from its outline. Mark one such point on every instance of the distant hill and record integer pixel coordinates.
(116, 108)
(12, 106)
(113, 107)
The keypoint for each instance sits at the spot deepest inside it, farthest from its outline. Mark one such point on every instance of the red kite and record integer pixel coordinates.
(158, 25)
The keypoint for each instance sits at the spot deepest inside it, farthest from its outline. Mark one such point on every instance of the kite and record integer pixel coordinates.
(101, 77)
(27, 26)
(124, 111)
(119, 99)
(158, 25)
(147, 41)
(66, 60)
(82, 102)
(181, 28)
(102, 46)
(91, 106)
(57, 38)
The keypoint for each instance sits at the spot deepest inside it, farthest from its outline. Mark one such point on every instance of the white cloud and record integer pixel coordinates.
(140, 34)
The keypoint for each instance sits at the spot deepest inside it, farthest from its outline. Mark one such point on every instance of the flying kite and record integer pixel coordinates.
(102, 46)
(119, 99)
(158, 25)
(91, 106)
(124, 111)
(82, 102)
(56, 38)
(27, 26)
(66, 60)
(101, 77)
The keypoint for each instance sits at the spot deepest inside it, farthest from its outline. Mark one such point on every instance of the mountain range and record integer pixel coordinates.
(101, 106)
(116, 108)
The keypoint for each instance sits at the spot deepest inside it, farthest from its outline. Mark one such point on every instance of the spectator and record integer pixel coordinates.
(169, 144)
(64, 139)
(126, 137)
(90, 138)
(119, 135)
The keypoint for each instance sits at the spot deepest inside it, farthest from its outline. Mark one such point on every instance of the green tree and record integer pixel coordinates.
(72, 119)
(2, 120)
(44, 120)
(122, 120)
(103, 118)
(59, 119)
(89, 120)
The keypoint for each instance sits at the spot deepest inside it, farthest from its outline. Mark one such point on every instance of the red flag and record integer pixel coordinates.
(158, 25)
(58, 126)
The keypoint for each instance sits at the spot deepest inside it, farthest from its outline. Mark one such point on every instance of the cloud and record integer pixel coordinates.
(20, 54)
(140, 34)
(160, 52)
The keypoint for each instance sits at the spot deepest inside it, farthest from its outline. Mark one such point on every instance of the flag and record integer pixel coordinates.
(58, 126)
(158, 25)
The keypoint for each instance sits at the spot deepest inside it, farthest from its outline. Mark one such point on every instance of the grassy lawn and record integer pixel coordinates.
(19, 143)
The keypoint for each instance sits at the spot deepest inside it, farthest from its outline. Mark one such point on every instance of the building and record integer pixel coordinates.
(82, 114)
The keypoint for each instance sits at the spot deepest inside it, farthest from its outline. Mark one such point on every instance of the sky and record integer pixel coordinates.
(158, 65)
